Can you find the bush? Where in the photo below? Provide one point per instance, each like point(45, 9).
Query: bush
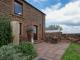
point(5, 31)
point(28, 49)
point(24, 51)
point(51, 39)
point(9, 52)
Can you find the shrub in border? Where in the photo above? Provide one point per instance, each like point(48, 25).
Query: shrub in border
point(28, 49)
point(5, 30)
point(24, 51)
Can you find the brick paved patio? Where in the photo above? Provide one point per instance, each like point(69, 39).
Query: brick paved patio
point(49, 51)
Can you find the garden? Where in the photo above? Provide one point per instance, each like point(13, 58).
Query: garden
point(26, 50)
point(10, 51)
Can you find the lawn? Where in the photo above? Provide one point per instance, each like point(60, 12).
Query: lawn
point(72, 53)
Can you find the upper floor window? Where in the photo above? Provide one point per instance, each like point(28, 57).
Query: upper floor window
point(18, 8)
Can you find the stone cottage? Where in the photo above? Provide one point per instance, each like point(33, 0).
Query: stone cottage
point(28, 18)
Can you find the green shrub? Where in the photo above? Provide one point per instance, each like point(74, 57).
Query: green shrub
point(28, 49)
point(5, 31)
point(9, 52)
point(17, 52)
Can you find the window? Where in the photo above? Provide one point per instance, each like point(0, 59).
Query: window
point(18, 8)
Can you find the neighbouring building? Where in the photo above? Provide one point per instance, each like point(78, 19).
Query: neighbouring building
point(27, 16)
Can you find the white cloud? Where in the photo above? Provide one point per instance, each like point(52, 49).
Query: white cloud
point(68, 15)
point(71, 29)
point(73, 0)
point(39, 1)
point(52, 8)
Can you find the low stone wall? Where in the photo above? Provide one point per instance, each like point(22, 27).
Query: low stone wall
point(55, 36)
point(71, 37)
point(62, 37)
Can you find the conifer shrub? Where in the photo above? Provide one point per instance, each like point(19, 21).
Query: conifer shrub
point(5, 31)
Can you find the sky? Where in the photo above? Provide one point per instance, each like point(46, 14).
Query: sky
point(65, 13)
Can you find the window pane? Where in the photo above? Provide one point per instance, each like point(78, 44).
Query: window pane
point(18, 8)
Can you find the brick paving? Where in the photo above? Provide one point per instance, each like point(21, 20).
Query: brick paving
point(48, 51)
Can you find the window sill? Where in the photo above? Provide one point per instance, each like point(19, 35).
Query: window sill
point(20, 16)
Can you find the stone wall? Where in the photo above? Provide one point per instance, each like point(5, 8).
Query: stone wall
point(53, 35)
point(71, 37)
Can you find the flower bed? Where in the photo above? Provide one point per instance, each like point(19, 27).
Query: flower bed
point(24, 51)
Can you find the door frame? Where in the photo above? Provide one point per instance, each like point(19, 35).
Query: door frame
point(35, 26)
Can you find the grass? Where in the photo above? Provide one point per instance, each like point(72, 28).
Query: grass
point(72, 53)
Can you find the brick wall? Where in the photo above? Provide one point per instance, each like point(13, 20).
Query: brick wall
point(30, 17)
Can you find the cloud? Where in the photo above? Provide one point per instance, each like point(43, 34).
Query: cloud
point(67, 16)
point(70, 13)
point(52, 8)
point(38, 1)
point(73, 0)
point(71, 29)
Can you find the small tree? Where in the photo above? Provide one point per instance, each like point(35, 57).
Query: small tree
point(60, 28)
point(54, 27)
point(5, 31)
